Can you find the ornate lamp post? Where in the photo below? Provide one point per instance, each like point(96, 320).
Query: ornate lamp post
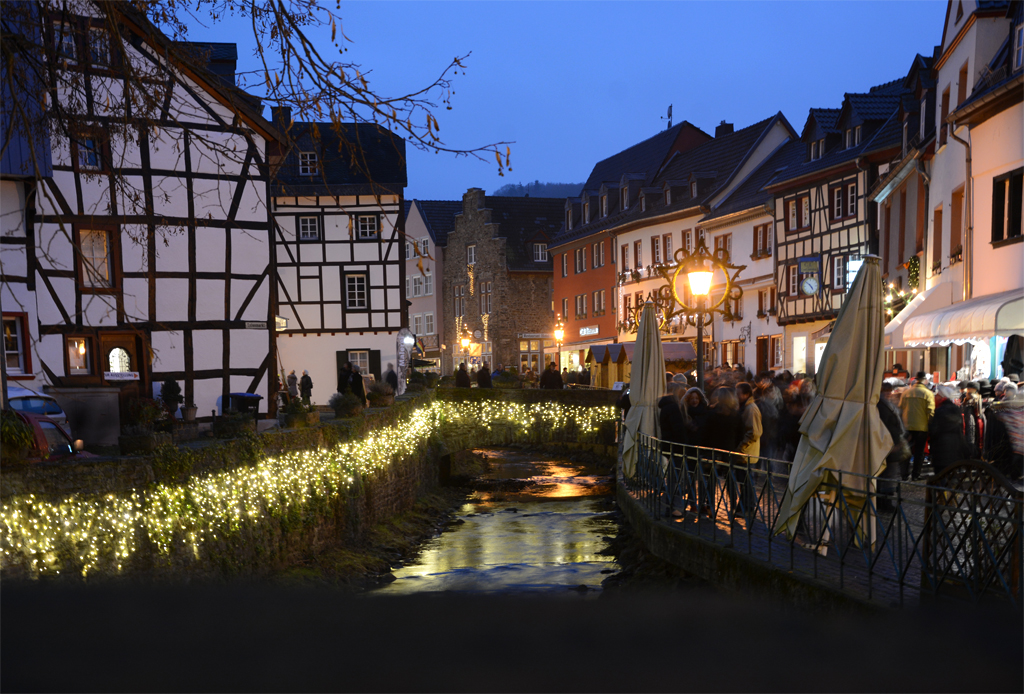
point(465, 342)
point(559, 337)
point(699, 266)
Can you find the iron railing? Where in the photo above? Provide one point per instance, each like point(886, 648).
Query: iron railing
point(878, 538)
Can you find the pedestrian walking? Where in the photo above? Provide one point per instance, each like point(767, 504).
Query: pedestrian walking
point(917, 406)
point(946, 430)
point(355, 383)
point(750, 444)
point(391, 378)
point(551, 379)
point(483, 377)
point(306, 386)
point(676, 431)
point(293, 384)
point(971, 408)
point(462, 377)
point(898, 455)
point(769, 402)
point(725, 433)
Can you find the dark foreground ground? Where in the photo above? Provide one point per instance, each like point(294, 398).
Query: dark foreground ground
point(280, 638)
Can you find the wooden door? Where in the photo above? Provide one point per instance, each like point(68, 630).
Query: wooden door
point(762, 354)
point(120, 352)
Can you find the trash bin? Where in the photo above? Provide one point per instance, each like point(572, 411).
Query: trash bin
point(246, 402)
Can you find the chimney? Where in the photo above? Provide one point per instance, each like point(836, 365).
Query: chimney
point(723, 128)
point(281, 116)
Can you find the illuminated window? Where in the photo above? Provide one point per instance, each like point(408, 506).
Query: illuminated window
point(118, 361)
point(15, 344)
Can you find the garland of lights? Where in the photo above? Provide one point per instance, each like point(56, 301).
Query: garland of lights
point(913, 266)
point(102, 532)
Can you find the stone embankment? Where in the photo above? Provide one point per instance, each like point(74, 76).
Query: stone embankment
point(255, 506)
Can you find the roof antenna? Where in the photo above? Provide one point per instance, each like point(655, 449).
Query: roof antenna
point(668, 117)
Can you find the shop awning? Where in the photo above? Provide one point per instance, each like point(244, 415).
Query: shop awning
point(977, 319)
point(673, 351)
point(933, 299)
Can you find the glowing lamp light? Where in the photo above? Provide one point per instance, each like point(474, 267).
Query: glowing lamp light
point(409, 340)
point(81, 347)
point(559, 334)
point(700, 279)
point(465, 343)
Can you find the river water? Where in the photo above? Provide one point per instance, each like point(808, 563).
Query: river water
point(535, 524)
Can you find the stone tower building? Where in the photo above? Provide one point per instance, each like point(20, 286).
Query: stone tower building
point(497, 281)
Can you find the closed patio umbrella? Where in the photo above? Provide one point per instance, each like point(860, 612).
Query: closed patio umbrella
point(841, 430)
point(646, 386)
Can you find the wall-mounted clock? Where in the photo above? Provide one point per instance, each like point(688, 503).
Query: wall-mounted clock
point(809, 286)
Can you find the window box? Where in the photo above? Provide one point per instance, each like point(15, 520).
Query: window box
point(957, 255)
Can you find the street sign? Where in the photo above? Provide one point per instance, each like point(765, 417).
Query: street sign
point(255, 325)
point(121, 375)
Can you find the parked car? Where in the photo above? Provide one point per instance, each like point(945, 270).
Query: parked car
point(49, 440)
point(25, 400)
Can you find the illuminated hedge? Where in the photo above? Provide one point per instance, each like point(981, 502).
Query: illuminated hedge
point(102, 533)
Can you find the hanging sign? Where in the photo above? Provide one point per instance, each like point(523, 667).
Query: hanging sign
point(120, 375)
point(590, 330)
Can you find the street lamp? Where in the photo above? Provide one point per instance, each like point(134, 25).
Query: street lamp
point(699, 266)
point(559, 337)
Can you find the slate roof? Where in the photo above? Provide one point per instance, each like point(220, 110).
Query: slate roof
point(381, 169)
point(713, 163)
point(524, 221)
point(751, 192)
point(439, 216)
point(644, 157)
point(826, 118)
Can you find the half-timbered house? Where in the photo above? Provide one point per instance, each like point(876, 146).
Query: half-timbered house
point(338, 248)
point(147, 255)
point(824, 221)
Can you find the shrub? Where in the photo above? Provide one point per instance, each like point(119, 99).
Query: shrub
point(417, 377)
point(345, 404)
point(170, 394)
point(295, 406)
point(446, 382)
point(379, 388)
point(14, 433)
point(232, 424)
point(415, 388)
point(143, 414)
point(432, 379)
point(506, 379)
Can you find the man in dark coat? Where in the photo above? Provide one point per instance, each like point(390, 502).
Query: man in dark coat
point(355, 383)
point(462, 377)
point(899, 454)
point(483, 377)
point(391, 378)
point(306, 387)
point(946, 430)
point(551, 378)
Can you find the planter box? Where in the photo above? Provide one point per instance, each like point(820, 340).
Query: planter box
point(135, 444)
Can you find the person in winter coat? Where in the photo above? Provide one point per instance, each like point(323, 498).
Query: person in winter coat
point(769, 402)
point(898, 458)
point(355, 383)
point(483, 377)
point(306, 386)
point(725, 432)
point(551, 379)
point(293, 384)
point(462, 377)
point(918, 406)
point(750, 446)
point(675, 430)
point(697, 412)
point(971, 407)
point(700, 485)
point(391, 378)
point(946, 430)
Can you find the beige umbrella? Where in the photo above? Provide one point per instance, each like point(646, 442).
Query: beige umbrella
point(646, 386)
point(841, 430)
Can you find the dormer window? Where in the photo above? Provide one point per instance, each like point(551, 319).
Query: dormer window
point(906, 130)
point(668, 197)
point(568, 218)
point(625, 197)
point(814, 150)
point(604, 205)
point(307, 164)
point(821, 147)
point(693, 189)
point(924, 109)
point(849, 138)
point(586, 212)
point(540, 252)
point(643, 202)
point(856, 135)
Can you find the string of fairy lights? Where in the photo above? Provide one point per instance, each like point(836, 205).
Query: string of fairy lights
point(897, 299)
point(102, 533)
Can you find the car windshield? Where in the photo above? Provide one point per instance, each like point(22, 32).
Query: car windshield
point(56, 441)
point(36, 405)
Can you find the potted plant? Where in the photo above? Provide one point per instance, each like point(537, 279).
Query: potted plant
point(188, 413)
point(15, 437)
point(380, 395)
point(345, 404)
point(170, 395)
point(139, 434)
point(296, 414)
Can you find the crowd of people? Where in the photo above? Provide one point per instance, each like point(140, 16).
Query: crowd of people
point(934, 425)
point(550, 378)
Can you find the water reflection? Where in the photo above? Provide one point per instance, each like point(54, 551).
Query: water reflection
point(543, 538)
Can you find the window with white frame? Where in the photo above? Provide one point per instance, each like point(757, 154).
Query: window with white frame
point(856, 135)
point(604, 205)
point(64, 40)
point(90, 152)
point(794, 279)
point(408, 285)
point(355, 291)
point(408, 251)
point(723, 242)
point(638, 254)
point(643, 202)
point(838, 272)
point(821, 148)
point(565, 265)
point(79, 351)
point(849, 138)
point(540, 252)
point(791, 220)
point(485, 297)
point(776, 351)
point(598, 302)
point(581, 306)
point(565, 307)
point(805, 212)
point(668, 248)
point(568, 218)
point(309, 228)
point(99, 47)
point(428, 283)
point(15, 344)
point(814, 150)
point(425, 247)
point(586, 212)
point(625, 257)
point(688, 241)
point(668, 197)
point(361, 360)
point(624, 198)
point(96, 271)
point(460, 299)
point(368, 226)
point(307, 164)
point(693, 189)
point(417, 285)
point(417, 324)
point(428, 323)
point(471, 254)
point(851, 199)
point(837, 203)
point(656, 248)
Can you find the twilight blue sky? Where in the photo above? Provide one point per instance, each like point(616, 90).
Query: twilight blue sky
point(574, 82)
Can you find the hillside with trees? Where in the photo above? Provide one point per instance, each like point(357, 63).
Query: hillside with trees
point(539, 190)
